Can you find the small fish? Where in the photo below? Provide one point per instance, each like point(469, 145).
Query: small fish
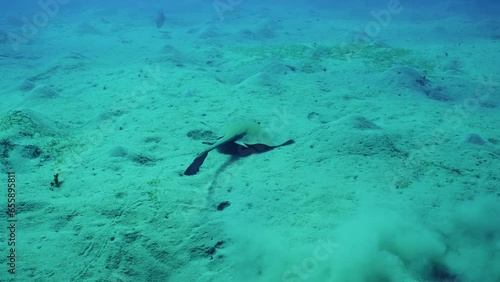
point(160, 19)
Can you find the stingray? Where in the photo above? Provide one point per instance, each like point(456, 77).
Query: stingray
point(245, 134)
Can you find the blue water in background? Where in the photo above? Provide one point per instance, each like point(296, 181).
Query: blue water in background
point(472, 8)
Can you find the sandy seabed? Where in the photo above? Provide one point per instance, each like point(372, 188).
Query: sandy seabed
point(393, 175)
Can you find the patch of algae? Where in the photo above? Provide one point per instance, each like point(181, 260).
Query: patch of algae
point(293, 51)
point(20, 128)
point(373, 57)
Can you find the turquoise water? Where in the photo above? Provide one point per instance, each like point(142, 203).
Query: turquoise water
point(250, 141)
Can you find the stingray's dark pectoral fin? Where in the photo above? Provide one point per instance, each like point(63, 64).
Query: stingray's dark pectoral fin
point(194, 167)
point(289, 142)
